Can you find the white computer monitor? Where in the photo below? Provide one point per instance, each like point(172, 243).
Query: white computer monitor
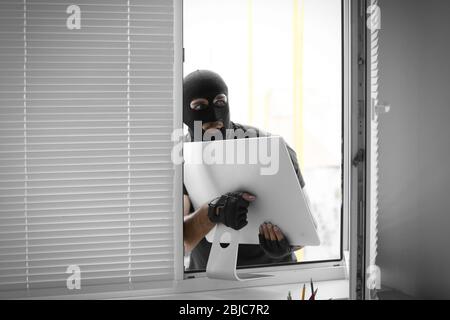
point(209, 172)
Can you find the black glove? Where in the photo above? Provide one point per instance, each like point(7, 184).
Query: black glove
point(275, 249)
point(230, 209)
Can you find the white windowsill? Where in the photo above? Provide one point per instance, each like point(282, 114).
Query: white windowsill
point(330, 279)
point(333, 289)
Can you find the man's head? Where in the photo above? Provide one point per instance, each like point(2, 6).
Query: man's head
point(205, 99)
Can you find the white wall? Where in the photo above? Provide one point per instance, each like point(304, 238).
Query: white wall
point(414, 224)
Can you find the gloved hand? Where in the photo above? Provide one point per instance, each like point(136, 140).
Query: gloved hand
point(273, 241)
point(231, 209)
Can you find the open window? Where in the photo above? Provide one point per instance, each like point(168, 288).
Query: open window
point(90, 96)
point(282, 62)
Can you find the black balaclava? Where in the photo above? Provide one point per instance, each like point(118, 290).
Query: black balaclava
point(204, 84)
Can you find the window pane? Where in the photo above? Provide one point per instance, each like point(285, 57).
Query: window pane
point(282, 61)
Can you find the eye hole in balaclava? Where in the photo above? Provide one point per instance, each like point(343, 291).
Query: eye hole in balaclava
point(199, 104)
point(210, 94)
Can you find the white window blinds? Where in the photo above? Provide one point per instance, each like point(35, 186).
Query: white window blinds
point(86, 177)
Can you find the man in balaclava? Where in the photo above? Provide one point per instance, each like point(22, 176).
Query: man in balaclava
point(207, 115)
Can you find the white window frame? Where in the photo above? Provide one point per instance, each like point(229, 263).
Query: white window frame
point(320, 271)
point(198, 282)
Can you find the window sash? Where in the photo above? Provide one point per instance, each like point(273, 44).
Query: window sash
point(324, 271)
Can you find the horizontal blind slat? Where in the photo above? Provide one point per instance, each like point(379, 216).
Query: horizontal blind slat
point(92, 240)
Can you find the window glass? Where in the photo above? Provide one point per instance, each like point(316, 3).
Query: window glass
point(282, 62)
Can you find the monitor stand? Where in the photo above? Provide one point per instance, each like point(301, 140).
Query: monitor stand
point(222, 261)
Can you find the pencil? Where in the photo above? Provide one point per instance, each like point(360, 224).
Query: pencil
point(289, 297)
point(313, 296)
point(303, 291)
